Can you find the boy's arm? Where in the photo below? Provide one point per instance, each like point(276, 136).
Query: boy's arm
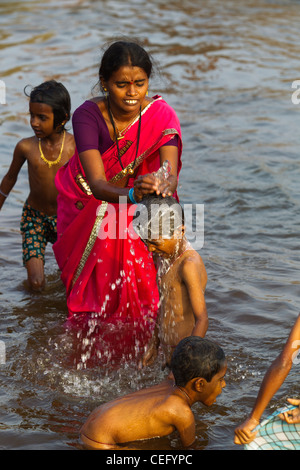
point(272, 381)
point(184, 422)
point(191, 276)
point(9, 180)
point(152, 348)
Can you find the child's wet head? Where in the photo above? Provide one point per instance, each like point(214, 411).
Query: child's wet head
point(158, 219)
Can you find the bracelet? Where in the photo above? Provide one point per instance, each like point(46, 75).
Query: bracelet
point(3, 194)
point(131, 196)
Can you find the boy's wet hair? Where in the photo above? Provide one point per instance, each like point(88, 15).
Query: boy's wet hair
point(158, 217)
point(196, 357)
point(53, 94)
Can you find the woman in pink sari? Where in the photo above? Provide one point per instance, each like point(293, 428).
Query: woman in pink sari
point(121, 139)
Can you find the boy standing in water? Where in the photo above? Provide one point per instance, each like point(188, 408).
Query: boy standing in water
point(198, 367)
point(181, 277)
point(45, 152)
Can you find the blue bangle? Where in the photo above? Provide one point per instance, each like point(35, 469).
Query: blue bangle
point(131, 196)
point(3, 194)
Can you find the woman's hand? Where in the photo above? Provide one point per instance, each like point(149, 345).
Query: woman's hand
point(164, 187)
point(143, 185)
point(292, 416)
point(149, 184)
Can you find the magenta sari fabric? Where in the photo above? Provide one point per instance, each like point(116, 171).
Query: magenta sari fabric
point(108, 273)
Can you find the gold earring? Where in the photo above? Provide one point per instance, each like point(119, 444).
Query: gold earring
point(104, 89)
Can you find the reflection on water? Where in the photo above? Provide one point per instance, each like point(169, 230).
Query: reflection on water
point(227, 68)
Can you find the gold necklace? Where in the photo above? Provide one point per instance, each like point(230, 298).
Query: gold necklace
point(120, 136)
point(50, 162)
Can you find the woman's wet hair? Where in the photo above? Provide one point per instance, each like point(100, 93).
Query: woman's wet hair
point(158, 217)
point(123, 53)
point(196, 357)
point(56, 95)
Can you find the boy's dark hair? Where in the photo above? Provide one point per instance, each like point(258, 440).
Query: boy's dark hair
point(157, 217)
point(196, 357)
point(122, 53)
point(53, 94)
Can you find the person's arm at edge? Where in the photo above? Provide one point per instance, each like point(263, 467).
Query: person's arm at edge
point(273, 379)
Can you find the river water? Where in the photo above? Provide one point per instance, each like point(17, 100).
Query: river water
point(227, 67)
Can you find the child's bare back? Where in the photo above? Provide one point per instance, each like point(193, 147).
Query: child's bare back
point(198, 368)
point(145, 414)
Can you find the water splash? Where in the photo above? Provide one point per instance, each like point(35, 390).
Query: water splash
point(163, 172)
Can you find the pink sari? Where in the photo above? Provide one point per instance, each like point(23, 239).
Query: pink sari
point(108, 273)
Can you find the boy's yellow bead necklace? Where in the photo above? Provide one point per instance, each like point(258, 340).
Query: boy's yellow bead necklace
point(50, 162)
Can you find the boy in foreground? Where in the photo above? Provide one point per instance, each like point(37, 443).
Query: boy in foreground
point(198, 366)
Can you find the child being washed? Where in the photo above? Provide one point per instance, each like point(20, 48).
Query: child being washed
point(181, 278)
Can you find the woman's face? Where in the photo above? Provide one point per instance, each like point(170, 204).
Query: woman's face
point(127, 89)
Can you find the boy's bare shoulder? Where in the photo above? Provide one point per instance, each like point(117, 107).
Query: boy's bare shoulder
point(70, 138)
point(70, 145)
point(192, 265)
point(178, 413)
point(178, 408)
point(26, 145)
point(192, 259)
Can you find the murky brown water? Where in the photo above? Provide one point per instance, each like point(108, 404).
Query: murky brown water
point(227, 68)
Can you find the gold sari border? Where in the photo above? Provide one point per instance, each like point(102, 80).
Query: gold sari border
point(91, 241)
